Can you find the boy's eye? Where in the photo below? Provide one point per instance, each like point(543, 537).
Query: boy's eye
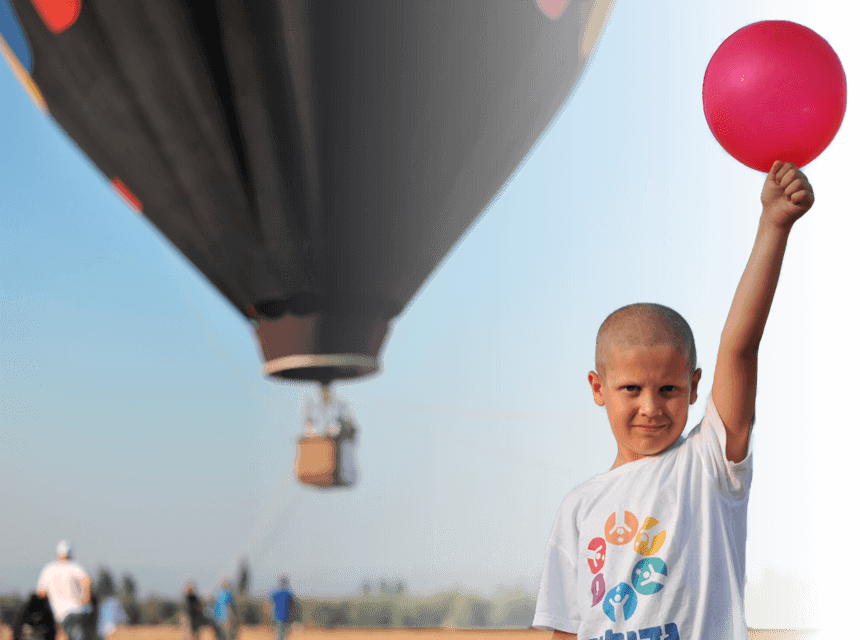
point(633, 388)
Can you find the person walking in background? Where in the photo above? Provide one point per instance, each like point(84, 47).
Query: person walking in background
point(196, 618)
point(194, 613)
point(66, 585)
point(34, 620)
point(282, 600)
point(111, 615)
point(225, 611)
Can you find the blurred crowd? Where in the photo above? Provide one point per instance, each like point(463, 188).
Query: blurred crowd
point(64, 602)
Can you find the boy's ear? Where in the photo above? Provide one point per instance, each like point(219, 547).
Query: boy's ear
point(694, 385)
point(596, 388)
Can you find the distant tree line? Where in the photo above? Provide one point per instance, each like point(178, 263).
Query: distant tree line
point(392, 606)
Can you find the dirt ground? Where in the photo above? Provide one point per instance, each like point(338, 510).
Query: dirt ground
point(263, 632)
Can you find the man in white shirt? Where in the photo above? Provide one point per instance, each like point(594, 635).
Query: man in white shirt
point(67, 586)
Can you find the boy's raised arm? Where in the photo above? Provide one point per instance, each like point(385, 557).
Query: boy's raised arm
point(786, 196)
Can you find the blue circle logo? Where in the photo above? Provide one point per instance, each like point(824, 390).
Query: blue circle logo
point(620, 602)
point(649, 575)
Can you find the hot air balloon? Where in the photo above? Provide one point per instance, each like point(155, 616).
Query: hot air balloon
point(316, 161)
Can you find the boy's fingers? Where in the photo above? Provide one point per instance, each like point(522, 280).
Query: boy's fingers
point(798, 184)
point(788, 170)
point(802, 196)
point(776, 166)
point(785, 168)
point(794, 182)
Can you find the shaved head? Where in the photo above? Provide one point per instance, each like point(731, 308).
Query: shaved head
point(643, 324)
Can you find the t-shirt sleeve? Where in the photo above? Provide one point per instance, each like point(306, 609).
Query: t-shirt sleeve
point(556, 602)
point(557, 606)
point(733, 477)
point(81, 575)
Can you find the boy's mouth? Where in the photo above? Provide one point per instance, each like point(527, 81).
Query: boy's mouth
point(649, 427)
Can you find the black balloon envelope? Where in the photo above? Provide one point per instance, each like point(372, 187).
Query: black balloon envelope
point(315, 160)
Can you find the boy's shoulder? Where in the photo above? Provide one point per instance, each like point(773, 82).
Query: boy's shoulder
point(589, 491)
point(587, 488)
point(697, 457)
point(624, 474)
point(629, 480)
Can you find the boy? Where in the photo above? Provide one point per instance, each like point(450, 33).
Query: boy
point(655, 547)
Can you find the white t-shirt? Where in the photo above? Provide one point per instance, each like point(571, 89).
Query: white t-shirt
point(655, 548)
point(63, 581)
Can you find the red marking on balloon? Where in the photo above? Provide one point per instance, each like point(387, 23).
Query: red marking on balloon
point(58, 15)
point(553, 8)
point(774, 90)
point(127, 195)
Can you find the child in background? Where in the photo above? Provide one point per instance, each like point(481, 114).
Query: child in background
point(282, 600)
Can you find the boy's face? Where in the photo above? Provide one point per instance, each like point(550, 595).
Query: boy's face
point(647, 392)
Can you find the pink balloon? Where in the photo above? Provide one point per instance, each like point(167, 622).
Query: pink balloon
point(774, 90)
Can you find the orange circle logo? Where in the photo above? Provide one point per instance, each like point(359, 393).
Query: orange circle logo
point(620, 529)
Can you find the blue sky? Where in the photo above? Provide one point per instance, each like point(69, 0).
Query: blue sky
point(135, 421)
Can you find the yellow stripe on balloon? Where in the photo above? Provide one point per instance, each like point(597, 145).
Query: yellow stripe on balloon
point(598, 18)
point(23, 77)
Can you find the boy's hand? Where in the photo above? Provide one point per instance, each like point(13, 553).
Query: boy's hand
point(786, 195)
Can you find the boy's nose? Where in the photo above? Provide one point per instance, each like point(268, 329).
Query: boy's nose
point(649, 405)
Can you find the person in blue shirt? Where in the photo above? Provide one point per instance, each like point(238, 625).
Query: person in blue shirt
point(225, 611)
point(282, 600)
point(111, 615)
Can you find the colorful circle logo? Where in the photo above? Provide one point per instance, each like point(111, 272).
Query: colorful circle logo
point(621, 526)
point(598, 554)
point(649, 575)
point(650, 537)
point(620, 602)
point(598, 589)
